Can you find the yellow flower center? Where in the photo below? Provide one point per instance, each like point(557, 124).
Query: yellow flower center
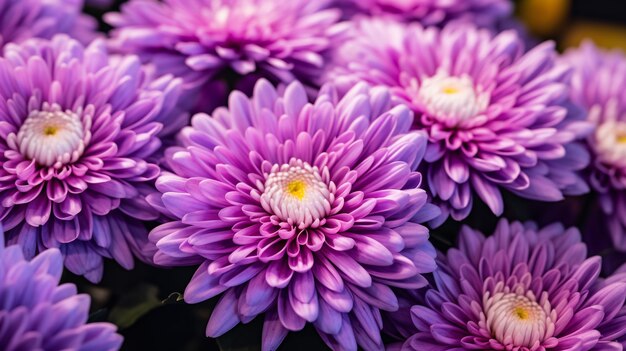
point(52, 137)
point(518, 318)
point(50, 130)
point(521, 313)
point(451, 98)
point(296, 188)
point(296, 193)
point(609, 140)
point(450, 90)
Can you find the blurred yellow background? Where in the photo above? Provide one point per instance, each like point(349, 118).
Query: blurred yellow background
point(568, 21)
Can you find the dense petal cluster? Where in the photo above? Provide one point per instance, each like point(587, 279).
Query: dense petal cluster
point(599, 85)
point(497, 117)
point(25, 19)
point(78, 130)
point(308, 212)
point(483, 13)
point(302, 205)
point(205, 41)
point(520, 289)
point(36, 313)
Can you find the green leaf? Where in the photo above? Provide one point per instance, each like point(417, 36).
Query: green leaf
point(132, 306)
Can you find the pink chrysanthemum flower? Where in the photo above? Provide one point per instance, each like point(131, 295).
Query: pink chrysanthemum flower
point(79, 131)
point(497, 117)
point(209, 42)
point(599, 85)
point(307, 212)
point(483, 13)
point(520, 289)
point(24, 19)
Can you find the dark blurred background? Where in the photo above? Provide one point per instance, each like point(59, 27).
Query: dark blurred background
point(146, 303)
point(571, 21)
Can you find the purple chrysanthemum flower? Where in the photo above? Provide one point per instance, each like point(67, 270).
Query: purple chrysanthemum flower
point(78, 128)
point(497, 118)
point(36, 313)
point(24, 19)
point(206, 41)
point(307, 212)
point(521, 289)
point(483, 13)
point(599, 85)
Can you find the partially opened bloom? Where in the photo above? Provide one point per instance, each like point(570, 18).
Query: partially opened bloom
point(520, 289)
point(307, 212)
point(208, 42)
point(24, 19)
point(36, 313)
point(484, 13)
point(78, 129)
point(599, 85)
point(497, 118)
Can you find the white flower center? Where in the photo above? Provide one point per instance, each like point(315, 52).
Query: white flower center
point(518, 320)
point(296, 193)
point(609, 143)
point(52, 137)
point(452, 99)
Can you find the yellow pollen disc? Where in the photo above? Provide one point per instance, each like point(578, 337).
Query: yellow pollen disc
point(50, 130)
point(621, 139)
point(296, 189)
point(521, 313)
point(450, 90)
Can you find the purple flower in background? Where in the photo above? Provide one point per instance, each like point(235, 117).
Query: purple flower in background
point(24, 19)
point(305, 212)
point(483, 13)
point(599, 85)
point(78, 129)
point(208, 42)
point(520, 289)
point(36, 313)
point(497, 118)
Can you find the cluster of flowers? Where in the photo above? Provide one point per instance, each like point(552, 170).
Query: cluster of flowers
point(297, 152)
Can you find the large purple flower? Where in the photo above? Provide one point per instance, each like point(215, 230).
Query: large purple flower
point(307, 212)
point(78, 129)
point(24, 19)
point(521, 289)
point(599, 85)
point(36, 313)
point(484, 13)
point(206, 41)
point(497, 118)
